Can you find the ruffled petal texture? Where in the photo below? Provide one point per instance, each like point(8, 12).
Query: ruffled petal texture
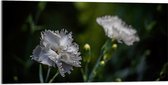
point(115, 28)
point(41, 54)
point(57, 49)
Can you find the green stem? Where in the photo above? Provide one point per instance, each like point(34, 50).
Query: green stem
point(41, 74)
point(86, 71)
point(52, 79)
point(83, 74)
point(86, 66)
point(93, 73)
point(48, 72)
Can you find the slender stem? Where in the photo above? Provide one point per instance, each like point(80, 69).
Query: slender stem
point(93, 73)
point(52, 79)
point(48, 72)
point(41, 74)
point(83, 74)
point(86, 66)
point(86, 72)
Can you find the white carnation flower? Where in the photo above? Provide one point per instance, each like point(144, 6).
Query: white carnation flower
point(115, 28)
point(57, 49)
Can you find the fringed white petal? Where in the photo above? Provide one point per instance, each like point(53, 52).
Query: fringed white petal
point(66, 39)
point(115, 28)
point(70, 59)
point(51, 38)
point(57, 48)
point(39, 54)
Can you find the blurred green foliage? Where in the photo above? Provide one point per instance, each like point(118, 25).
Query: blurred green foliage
point(144, 61)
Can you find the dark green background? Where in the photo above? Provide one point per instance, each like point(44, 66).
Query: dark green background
point(22, 23)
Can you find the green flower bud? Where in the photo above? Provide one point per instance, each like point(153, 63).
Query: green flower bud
point(87, 46)
point(102, 63)
point(114, 46)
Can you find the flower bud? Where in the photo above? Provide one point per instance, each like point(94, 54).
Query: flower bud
point(87, 46)
point(114, 46)
point(102, 62)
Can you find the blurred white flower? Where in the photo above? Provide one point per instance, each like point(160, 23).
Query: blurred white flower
point(57, 49)
point(115, 28)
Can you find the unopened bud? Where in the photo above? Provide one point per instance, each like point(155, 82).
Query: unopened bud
point(114, 46)
point(102, 62)
point(87, 46)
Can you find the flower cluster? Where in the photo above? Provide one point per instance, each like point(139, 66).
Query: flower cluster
point(115, 28)
point(57, 48)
